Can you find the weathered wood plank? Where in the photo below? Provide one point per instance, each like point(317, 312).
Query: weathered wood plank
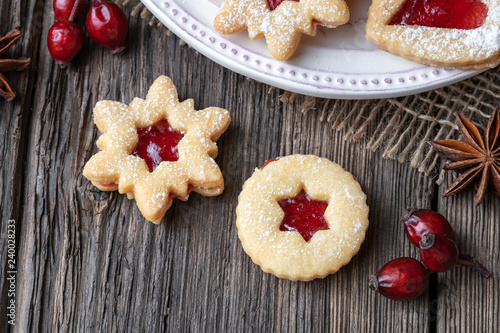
point(14, 130)
point(10, 193)
point(92, 263)
point(467, 301)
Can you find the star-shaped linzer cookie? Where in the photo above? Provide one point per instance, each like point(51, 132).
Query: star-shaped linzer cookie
point(157, 149)
point(281, 22)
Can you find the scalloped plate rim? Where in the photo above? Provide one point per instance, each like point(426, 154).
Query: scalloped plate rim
point(311, 81)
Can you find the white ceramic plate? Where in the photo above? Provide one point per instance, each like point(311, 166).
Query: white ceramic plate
point(337, 63)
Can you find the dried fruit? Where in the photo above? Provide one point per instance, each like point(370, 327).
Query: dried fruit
point(438, 252)
point(473, 156)
point(401, 279)
point(107, 25)
point(65, 39)
point(419, 222)
point(64, 8)
point(7, 65)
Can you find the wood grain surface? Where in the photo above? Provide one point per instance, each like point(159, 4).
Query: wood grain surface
point(87, 260)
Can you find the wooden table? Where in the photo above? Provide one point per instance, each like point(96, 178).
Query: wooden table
point(88, 261)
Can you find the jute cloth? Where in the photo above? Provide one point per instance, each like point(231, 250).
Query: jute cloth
point(398, 128)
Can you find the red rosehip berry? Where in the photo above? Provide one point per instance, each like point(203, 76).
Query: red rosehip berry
point(107, 25)
point(64, 8)
point(401, 279)
point(438, 252)
point(419, 222)
point(65, 39)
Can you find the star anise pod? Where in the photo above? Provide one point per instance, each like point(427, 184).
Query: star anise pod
point(473, 156)
point(7, 65)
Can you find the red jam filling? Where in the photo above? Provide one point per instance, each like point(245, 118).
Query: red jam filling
point(304, 215)
point(451, 14)
point(108, 185)
point(157, 143)
point(273, 4)
point(173, 196)
point(269, 161)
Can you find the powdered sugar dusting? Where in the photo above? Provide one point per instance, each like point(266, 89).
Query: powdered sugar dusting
point(439, 46)
point(281, 25)
point(478, 43)
point(115, 164)
point(286, 254)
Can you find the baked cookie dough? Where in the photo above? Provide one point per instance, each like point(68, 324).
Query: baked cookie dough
point(281, 22)
point(467, 49)
point(287, 254)
point(158, 149)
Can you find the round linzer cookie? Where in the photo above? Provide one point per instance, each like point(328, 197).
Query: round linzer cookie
point(301, 217)
point(462, 34)
point(281, 22)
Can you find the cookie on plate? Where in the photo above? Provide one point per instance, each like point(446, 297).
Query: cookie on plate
point(281, 22)
point(460, 34)
point(157, 149)
point(301, 217)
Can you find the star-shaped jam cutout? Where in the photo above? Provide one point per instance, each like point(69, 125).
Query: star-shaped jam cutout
point(304, 215)
point(157, 143)
point(281, 22)
point(157, 149)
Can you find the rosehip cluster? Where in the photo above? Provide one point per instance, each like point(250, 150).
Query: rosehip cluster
point(406, 278)
point(65, 38)
point(106, 24)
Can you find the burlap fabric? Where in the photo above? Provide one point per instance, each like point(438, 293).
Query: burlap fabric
point(398, 128)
